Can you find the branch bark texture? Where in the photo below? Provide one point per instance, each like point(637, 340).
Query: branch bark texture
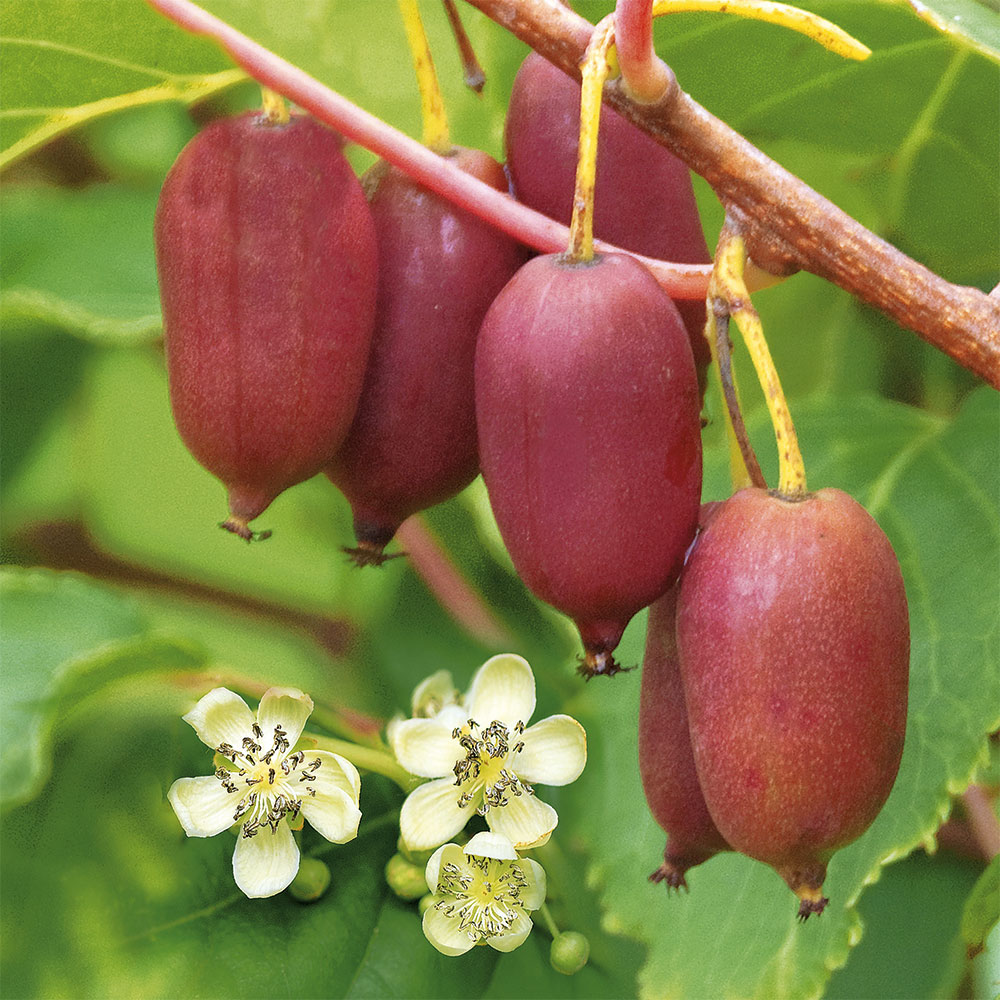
point(787, 225)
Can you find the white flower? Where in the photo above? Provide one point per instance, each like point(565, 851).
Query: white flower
point(482, 894)
point(491, 759)
point(429, 697)
point(265, 785)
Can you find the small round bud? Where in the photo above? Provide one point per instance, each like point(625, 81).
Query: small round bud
point(405, 878)
point(426, 902)
point(312, 880)
point(569, 953)
point(419, 858)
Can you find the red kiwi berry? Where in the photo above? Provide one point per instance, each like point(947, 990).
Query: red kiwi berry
point(643, 201)
point(267, 265)
point(413, 440)
point(794, 645)
point(587, 407)
point(666, 760)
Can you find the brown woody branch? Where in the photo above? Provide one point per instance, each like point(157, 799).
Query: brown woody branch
point(789, 226)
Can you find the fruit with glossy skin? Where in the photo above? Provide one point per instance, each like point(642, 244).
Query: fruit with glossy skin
point(666, 760)
point(589, 439)
point(793, 637)
point(413, 440)
point(643, 198)
point(267, 265)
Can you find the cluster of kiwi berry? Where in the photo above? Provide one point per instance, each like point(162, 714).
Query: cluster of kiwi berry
point(374, 332)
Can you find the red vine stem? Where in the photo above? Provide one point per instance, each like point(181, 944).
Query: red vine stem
point(645, 75)
point(681, 281)
point(788, 225)
point(446, 582)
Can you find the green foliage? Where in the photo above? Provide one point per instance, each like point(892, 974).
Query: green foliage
point(102, 284)
point(65, 65)
point(96, 675)
point(982, 911)
point(970, 22)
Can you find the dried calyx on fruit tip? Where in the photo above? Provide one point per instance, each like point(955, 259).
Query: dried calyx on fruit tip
point(793, 637)
point(587, 408)
point(412, 443)
point(267, 266)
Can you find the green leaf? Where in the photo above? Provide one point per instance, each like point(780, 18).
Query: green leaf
point(933, 486)
point(67, 63)
point(98, 284)
point(982, 910)
point(63, 638)
point(42, 370)
point(920, 898)
point(975, 23)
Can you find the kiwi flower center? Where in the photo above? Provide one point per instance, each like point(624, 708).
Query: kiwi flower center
point(268, 786)
point(484, 895)
point(486, 768)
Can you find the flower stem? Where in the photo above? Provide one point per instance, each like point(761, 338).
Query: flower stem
point(730, 260)
point(368, 759)
point(595, 71)
point(547, 921)
point(275, 107)
point(817, 28)
point(472, 71)
point(744, 469)
point(433, 115)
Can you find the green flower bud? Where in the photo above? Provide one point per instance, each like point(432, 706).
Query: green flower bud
point(312, 880)
point(405, 878)
point(419, 858)
point(426, 902)
point(569, 953)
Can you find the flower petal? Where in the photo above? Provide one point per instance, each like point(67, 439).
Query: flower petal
point(202, 805)
point(284, 708)
point(432, 694)
point(533, 894)
point(514, 936)
point(221, 717)
point(445, 932)
point(390, 726)
point(431, 814)
point(335, 770)
point(555, 751)
point(265, 863)
point(503, 688)
point(525, 821)
point(443, 855)
point(333, 813)
point(425, 747)
point(491, 845)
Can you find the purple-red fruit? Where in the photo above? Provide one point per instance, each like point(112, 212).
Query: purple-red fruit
point(643, 200)
point(666, 760)
point(413, 440)
point(794, 647)
point(267, 265)
point(587, 405)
